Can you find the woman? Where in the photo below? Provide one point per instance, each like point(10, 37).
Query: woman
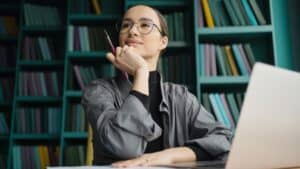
point(141, 120)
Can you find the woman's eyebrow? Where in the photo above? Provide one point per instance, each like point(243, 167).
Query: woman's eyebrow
point(141, 19)
point(145, 19)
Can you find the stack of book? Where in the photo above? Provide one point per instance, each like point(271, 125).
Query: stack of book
point(35, 157)
point(216, 13)
point(41, 15)
point(226, 60)
point(224, 106)
point(40, 84)
point(39, 120)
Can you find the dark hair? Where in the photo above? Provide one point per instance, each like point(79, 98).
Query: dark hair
point(162, 22)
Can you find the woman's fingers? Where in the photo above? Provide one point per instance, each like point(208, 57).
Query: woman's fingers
point(110, 57)
point(118, 50)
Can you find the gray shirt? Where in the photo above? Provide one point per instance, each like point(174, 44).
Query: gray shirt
point(122, 126)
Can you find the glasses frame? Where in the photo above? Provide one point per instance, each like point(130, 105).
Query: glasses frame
point(118, 28)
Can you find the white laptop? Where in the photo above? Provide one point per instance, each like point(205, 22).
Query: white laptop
point(268, 131)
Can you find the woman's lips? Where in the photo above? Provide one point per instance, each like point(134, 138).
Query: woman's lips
point(133, 42)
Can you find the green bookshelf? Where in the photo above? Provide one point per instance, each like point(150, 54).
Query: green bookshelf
point(267, 43)
point(37, 60)
point(183, 62)
point(8, 44)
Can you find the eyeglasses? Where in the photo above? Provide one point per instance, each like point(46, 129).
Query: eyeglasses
point(143, 26)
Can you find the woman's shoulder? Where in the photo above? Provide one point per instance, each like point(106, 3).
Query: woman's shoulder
point(101, 84)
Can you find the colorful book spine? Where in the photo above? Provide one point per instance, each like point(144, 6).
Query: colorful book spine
point(207, 14)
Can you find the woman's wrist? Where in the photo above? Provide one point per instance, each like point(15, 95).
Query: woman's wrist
point(180, 154)
point(140, 82)
point(142, 71)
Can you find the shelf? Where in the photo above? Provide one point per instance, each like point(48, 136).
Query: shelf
point(7, 70)
point(4, 137)
point(73, 93)
point(75, 135)
point(93, 19)
point(5, 104)
point(43, 29)
point(8, 38)
point(36, 136)
point(177, 44)
point(30, 63)
point(88, 56)
point(224, 80)
point(92, 54)
point(9, 9)
point(245, 32)
point(39, 99)
point(224, 83)
point(158, 3)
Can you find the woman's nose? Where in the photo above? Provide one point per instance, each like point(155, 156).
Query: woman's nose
point(134, 29)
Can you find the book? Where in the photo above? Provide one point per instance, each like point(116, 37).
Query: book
point(235, 21)
point(231, 61)
point(207, 14)
point(257, 11)
point(249, 12)
point(96, 6)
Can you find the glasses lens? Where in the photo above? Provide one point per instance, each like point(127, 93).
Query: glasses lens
point(125, 26)
point(145, 27)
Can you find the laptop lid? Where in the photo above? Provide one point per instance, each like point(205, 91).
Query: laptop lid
point(268, 131)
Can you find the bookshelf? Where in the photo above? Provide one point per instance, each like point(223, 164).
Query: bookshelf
point(294, 26)
point(266, 41)
point(9, 26)
point(38, 91)
point(76, 63)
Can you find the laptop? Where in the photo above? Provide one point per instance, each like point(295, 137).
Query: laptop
point(268, 132)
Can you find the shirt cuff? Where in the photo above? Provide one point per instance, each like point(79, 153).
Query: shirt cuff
point(201, 154)
point(143, 98)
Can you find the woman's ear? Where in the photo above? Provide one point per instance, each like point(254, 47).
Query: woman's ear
point(164, 42)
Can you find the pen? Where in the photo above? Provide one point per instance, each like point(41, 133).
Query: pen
point(113, 49)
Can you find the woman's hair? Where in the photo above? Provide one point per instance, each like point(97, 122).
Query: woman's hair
point(162, 22)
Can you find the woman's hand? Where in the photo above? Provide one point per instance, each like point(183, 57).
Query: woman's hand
point(152, 159)
point(165, 157)
point(127, 60)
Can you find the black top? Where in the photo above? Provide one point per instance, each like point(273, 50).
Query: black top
point(151, 103)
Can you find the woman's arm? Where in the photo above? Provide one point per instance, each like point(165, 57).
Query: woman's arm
point(122, 131)
point(209, 139)
point(165, 157)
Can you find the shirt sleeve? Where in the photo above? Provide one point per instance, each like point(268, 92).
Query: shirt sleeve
point(122, 131)
point(142, 97)
point(209, 139)
point(201, 154)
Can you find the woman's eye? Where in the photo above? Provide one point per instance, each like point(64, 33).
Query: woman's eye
point(144, 25)
point(125, 25)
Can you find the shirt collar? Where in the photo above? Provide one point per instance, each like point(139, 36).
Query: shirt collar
point(125, 86)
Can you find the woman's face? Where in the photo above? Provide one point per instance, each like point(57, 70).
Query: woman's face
point(147, 45)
